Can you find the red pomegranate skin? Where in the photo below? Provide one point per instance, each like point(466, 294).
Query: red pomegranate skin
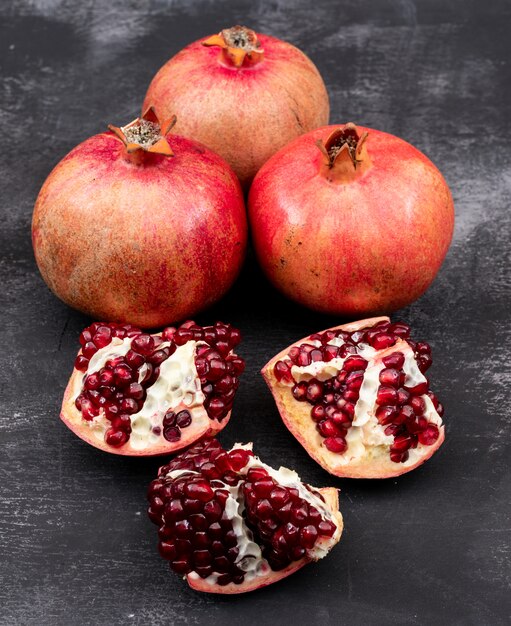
point(244, 114)
point(147, 243)
point(372, 244)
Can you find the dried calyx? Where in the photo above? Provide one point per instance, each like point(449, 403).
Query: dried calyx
point(146, 134)
point(344, 152)
point(239, 45)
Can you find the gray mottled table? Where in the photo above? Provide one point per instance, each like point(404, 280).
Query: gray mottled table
point(431, 547)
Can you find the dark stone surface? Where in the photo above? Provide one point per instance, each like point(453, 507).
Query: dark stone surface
point(431, 547)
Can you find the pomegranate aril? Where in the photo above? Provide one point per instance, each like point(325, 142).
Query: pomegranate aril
point(300, 391)
point(89, 349)
point(336, 444)
point(399, 457)
point(143, 344)
point(92, 381)
point(382, 341)
point(172, 434)
point(282, 372)
point(102, 337)
point(128, 405)
point(199, 490)
point(183, 419)
point(401, 443)
point(418, 405)
point(314, 391)
point(354, 363)
point(116, 438)
point(326, 528)
point(135, 391)
point(390, 376)
point(419, 389)
point(318, 412)
point(429, 435)
point(386, 395)
point(395, 360)
point(385, 414)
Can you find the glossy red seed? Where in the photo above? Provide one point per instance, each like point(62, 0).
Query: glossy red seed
point(199, 490)
point(386, 395)
point(429, 435)
point(172, 434)
point(308, 536)
point(395, 360)
point(116, 438)
point(336, 444)
point(390, 376)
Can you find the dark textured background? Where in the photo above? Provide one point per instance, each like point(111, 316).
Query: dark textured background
point(430, 547)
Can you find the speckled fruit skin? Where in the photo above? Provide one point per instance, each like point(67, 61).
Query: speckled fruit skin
point(370, 245)
point(147, 244)
point(244, 114)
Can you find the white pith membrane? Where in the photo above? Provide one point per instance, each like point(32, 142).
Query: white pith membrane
point(250, 559)
point(178, 385)
point(366, 437)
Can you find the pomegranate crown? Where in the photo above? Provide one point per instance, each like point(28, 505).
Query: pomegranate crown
point(344, 146)
point(239, 45)
point(146, 133)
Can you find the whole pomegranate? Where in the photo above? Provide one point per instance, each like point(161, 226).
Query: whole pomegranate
point(231, 524)
point(139, 226)
point(350, 221)
point(137, 394)
point(357, 399)
point(242, 94)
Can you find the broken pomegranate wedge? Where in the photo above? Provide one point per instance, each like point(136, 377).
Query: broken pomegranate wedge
point(231, 524)
point(133, 393)
point(356, 397)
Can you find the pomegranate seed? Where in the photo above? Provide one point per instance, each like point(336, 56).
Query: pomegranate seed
point(308, 536)
point(143, 344)
point(216, 408)
point(401, 443)
point(183, 419)
point(390, 376)
point(382, 341)
point(329, 353)
point(419, 389)
point(128, 405)
point(429, 435)
point(172, 434)
point(318, 412)
point(418, 405)
point(300, 391)
point(314, 391)
point(386, 395)
point(122, 375)
point(238, 459)
point(116, 438)
point(106, 377)
point(89, 349)
point(336, 444)
point(81, 363)
point(326, 528)
point(102, 336)
point(199, 490)
point(385, 414)
point(354, 363)
point(85, 337)
point(282, 372)
point(135, 391)
point(92, 381)
point(395, 360)
point(399, 457)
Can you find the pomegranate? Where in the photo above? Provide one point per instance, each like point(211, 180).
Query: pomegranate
point(356, 397)
point(128, 229)
point(242, 94)
point(133, 393)
point(350, 221)
point(231, 524)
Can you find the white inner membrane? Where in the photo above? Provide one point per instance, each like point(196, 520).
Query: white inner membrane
point(177, 387)
point(250, 558)
point(366, 434)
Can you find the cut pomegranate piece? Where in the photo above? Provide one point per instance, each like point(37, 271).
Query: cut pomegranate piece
point(365, 409)
point(134, 393)
point(232, 524)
